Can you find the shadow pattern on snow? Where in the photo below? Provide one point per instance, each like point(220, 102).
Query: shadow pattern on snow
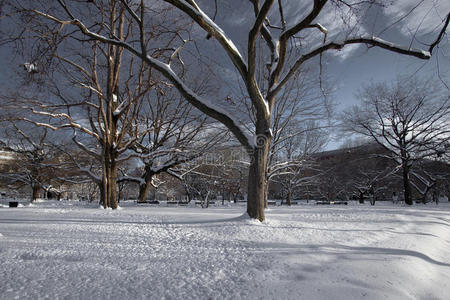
point(287, 249)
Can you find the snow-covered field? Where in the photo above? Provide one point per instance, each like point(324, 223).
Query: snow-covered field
point(54, 250)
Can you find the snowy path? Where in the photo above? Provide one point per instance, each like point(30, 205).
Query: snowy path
point(58, 250)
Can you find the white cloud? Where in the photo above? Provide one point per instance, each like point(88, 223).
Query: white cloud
point(340, 23)
point(346, 52)
point(424, 18)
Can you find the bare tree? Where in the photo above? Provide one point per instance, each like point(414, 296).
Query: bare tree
point(430, 176)
point(292, 167)
point(173, 134)
point(232, 174)
point(113, 89)
point(407, 118)
point(423, 184)
point(369, 181)
point(282, 38)
point(300, 118)
point(218, 172)
point(199, 181)
point(35, 160)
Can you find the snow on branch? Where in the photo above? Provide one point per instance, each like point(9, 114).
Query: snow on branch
point(305, 22)
point(193, 10)
point(254, 32)
point(255, 93)
point(150, 155)
point(287, 34)
point(85, 148)
point(320, 27)
point(441, 34)
point(71, 123)
point(200, 103)
point(129, 178)
point(371, 41)
point(89, 87)
point(272, 42)
point(177, 51)
point(91, 174)
point(30, 67)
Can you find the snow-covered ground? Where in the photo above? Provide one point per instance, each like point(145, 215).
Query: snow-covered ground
point(70, 250)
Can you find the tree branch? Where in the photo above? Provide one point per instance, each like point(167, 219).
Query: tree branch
point(372, 41)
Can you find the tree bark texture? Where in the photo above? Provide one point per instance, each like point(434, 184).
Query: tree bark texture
point(289, 198)
point(266, 194)
point(109, 180)
point(145, 186)
point(257, 175)
point(35, 194)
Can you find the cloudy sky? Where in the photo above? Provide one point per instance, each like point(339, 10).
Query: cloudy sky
point(408, 22)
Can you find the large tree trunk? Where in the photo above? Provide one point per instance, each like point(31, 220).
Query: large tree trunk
point(145, 187)
point(266, 194)
point(361, 198)
point(111, 122)
point(289, 198)
point(406, 184)
point(143, 190)
point(109, 197)
point(257, 176)
point(101, 187)
point(35, 193)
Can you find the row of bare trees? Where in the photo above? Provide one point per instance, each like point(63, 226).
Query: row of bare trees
point(113, 105)
point(121, 44)
point(298, 171)
point(410, 120)
point(31, 162)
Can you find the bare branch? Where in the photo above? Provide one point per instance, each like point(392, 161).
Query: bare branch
point(441, 34)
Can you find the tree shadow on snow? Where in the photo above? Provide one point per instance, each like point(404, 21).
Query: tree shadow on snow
point(343, 251)
point(241, 218)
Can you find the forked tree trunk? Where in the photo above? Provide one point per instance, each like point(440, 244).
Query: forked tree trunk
point(257, 177)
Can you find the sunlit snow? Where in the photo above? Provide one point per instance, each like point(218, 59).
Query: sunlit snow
point(74, 250)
